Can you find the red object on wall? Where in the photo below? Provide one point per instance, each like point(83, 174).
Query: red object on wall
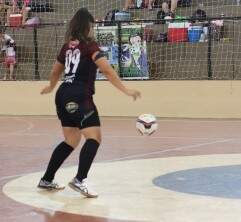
point(15, 20)
point(178, 32)
point(177, 35)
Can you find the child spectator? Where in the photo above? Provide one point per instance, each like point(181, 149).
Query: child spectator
point(9, 49)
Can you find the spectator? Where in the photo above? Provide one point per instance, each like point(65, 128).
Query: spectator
point(4, 10)
point(149, 4)
point(169, 7)
point(9, 49)
point(21, 7)
point(129, 4)
point(139, 4)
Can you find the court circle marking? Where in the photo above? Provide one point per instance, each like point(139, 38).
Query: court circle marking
point(127, 191)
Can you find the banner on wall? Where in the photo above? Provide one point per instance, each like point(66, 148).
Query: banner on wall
point(133, 62)
point(107, 40)
point(134, 54)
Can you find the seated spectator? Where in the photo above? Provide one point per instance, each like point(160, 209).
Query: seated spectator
point(169, 7)
point(4, 10)
point(9, 51)
point(149, 4)
point(129, 4)
point(19, 7)
point(143, 4)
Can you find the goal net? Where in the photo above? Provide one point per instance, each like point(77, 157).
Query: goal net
point(186, 47)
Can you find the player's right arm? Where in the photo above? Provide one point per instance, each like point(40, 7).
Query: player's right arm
point(56, 71)
point(55, 75)
point(112, 76)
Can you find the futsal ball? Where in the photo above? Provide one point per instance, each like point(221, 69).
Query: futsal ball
point(146, 124)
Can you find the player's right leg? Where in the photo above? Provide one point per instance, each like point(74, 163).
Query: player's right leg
point(72, 137)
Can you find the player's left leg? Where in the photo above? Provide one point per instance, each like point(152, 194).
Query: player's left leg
point(90, 129)
point(86, 157)
point(88, 151)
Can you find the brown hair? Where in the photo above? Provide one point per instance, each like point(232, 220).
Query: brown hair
point(79, 26)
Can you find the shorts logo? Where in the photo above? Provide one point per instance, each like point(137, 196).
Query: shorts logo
point(71, 107)
point(86, 116)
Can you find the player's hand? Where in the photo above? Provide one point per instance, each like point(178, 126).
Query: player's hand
point(46, 90)
point(134, 93)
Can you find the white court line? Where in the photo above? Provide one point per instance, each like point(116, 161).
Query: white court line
point(140, 155)
point(112, 136)
point(169, 150)
point(167, 137)
point(29, 126)
point(13, 176)
point(146, 154)
point(136, 137)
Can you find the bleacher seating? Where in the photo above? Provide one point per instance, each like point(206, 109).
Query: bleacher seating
point(168, 60)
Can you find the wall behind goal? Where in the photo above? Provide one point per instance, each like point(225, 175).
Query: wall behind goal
point(181, 99)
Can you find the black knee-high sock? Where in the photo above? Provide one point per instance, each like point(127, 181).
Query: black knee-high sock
point(61, 152)
point(86, 157)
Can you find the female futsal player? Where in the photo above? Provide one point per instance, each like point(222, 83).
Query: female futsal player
point(79, 58)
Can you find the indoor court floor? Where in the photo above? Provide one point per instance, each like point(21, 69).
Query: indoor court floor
point(187, 171)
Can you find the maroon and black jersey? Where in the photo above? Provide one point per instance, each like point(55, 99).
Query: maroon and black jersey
point(79, 66)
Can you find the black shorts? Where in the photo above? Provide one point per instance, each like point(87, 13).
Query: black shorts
point(75, 111)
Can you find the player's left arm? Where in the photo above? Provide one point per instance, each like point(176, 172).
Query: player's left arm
point(55, 75)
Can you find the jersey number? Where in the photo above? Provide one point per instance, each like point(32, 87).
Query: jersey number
point(72, 57)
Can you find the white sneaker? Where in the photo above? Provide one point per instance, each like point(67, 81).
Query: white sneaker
point(83, 188)
point(43, 184)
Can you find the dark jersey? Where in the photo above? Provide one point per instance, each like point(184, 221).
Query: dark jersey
point(79, 66)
